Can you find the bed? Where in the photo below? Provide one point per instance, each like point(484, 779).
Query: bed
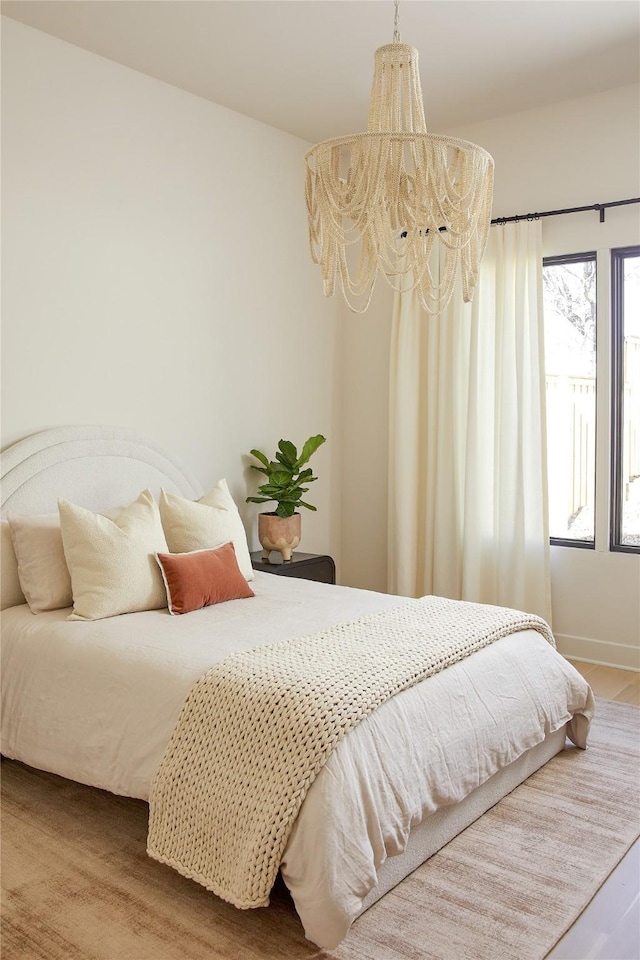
point(97, 701)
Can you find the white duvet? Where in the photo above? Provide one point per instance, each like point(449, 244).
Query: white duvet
point(96, 702)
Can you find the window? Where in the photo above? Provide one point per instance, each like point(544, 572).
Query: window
point(570, 361)
point(625, 401)
point(570, 365)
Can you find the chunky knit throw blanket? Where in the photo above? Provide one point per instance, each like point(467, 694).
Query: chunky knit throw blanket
point(256, 729)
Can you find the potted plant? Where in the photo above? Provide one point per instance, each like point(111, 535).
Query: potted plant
point(286, 484)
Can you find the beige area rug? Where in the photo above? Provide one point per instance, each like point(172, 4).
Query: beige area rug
point(77, 884)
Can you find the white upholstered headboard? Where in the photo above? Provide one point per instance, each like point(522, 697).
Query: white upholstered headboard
point(96, 467)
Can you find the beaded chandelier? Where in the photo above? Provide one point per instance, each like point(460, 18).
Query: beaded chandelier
point(396, 192)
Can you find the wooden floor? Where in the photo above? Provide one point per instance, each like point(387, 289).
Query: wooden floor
point(609, 929)
point(610, 683)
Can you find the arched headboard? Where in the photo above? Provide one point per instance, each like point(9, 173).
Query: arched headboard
point(93, 466)
point(96, 467)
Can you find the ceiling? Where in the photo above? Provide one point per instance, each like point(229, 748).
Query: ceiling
point(305, 66)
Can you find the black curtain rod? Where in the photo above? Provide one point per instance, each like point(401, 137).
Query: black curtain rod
point(601, 207)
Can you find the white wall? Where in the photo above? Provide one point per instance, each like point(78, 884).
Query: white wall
point(156, 272)
point(156, 276)
point(573, 153)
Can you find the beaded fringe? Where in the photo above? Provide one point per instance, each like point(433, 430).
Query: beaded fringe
point(397, 194)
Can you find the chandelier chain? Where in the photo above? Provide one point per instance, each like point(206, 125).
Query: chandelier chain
point(396, 22)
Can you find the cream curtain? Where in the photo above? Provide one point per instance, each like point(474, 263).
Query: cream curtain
point(467, 477)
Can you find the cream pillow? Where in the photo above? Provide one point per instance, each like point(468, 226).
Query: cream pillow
point(11, 592)
point(112, 562)
point(204, 524)
point(42, 568)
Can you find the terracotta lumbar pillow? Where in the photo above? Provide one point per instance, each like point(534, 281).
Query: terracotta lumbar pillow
point(202, 578)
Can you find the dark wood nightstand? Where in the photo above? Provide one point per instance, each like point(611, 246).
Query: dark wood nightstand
point(305, 566)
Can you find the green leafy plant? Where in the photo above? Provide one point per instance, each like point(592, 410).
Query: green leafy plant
point(286, 480)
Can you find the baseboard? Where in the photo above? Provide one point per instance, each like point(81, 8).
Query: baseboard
point(602, 652)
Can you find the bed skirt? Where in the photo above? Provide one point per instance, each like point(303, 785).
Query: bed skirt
point(437, 830)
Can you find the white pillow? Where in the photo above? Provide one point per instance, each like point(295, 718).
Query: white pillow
point(112, 562)
point(42, 568)
point(11, 593)
point(204, 524)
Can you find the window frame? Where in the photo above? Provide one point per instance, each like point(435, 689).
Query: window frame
point(554, 261)
point(618, 257)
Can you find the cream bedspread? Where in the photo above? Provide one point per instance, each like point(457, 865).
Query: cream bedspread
point(257, 728)
point(96, 702)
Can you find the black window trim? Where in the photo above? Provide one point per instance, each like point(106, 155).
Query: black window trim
point(618, 257)
point(587, 256)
